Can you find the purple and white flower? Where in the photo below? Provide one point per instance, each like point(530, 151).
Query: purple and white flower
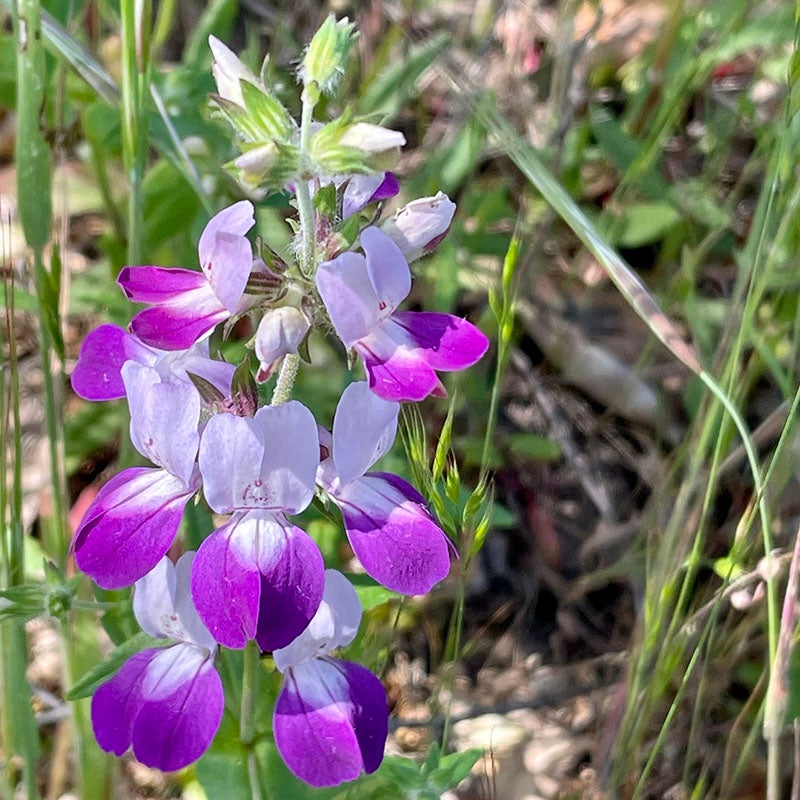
point(98, 373)
point(386, 520)
point(133, 520)
point(258, 576)
point(164, 703)
point(401, 350)
point(186, 305)
point(331, 717)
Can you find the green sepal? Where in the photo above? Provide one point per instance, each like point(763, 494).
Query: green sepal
point(244, 391)
point(22, 602)
point(99, 674)
point(267, 113)
point(208, 392)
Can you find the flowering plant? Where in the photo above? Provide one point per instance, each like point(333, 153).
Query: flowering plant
point(258, 581)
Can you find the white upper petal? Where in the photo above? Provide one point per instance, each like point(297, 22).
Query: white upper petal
point(154, 601)
point(388, 270)
point(345, 288)
point(291, 455)
point(164, 417)
point(364, 429)
point(334, 625)
point(231, 455)
point(228, 70)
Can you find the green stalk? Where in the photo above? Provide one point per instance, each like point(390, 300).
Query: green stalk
point(247, 728)
point(19, 727)
point(135, 66)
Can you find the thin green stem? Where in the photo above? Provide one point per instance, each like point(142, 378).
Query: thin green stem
point(135, 39)
point(247, 724)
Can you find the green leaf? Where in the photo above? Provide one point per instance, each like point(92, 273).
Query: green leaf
point(99, 674)
point(370, 592)
point(533, 447)
point(646, 223)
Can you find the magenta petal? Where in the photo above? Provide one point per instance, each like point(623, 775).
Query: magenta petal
point(165, 703)
point(393, 534)
point(116, 703)
point(173, 327)
point(104, 350)
point(257, 577)
point(159, 285)
point(226, 588)
point(182, 704)
point(446, 342)
point(394, 371)
point(130, 525)
point(330, 721)
point(291, 589)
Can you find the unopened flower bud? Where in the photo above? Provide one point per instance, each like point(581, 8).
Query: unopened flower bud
point(279, 333)
point(418, 227)
point(324, 61)
point(228, 71)
point(371, 138)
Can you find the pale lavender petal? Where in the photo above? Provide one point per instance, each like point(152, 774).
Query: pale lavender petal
point(231, 454)
point(334, 625)
point(364, 429)
point(104, 350)
point(228, 71)
point(257, 577)
point(395, 370)
point(154, 601)
point(446, 342)
point(387, 268)
point(194, 629)
point(218, 373)
point(393, 534)
point(162, 603)
point(226, 255)
point(280, 332)
point(116, 703)
point(164, 418)
point(290, 457)
point(130, 525)
point(330, 722)
point(341, 596)
point(419, 226)
point(182, 700)
point(349, 298)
